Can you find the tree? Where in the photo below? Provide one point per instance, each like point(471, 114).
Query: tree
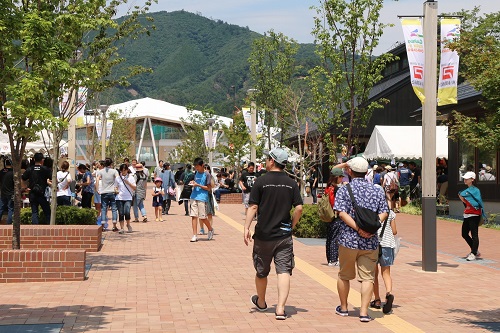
point(49, 48)
point(120, 142)
point(193, 143)
point(271, 66)
point(479, 51)
point(237, 141)
point(347, 33)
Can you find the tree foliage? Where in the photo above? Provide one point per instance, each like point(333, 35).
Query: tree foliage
point(237, 138)
point(479, 51)
point(347, 33)
point(271, 67)
point(48, 48)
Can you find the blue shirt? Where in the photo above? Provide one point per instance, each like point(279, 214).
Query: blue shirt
point(404, 176)
point(367, 196)
point(199, 193)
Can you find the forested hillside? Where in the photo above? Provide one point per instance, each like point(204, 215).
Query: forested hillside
point(195, 60)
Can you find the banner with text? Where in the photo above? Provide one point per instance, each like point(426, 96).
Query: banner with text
point(448, 70)
point(414, 40)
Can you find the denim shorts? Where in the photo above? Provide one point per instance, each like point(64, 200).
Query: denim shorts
point(387, 257)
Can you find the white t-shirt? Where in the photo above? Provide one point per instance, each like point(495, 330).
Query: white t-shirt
point(63, 180)
point(108, 176)
point(387, 239)
point(125, 191)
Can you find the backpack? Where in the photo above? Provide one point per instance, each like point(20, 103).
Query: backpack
point(393, 185)
point(325, 210)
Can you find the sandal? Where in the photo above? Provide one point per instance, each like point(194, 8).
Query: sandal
point(376, 304)
point(280, 316)
point(389, 299)
point(255, 299)
point(145, 219)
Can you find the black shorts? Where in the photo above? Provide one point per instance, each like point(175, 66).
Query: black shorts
point(280, 250)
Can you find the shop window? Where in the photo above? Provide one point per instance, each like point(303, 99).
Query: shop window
point(465, 159)
point(487, 165)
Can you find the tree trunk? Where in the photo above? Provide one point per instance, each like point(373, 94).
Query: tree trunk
point(57, 136)
point(16, 221)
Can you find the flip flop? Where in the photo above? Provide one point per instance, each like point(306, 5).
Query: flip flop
point(280, 316)
point(255, 299)
point(375, 304)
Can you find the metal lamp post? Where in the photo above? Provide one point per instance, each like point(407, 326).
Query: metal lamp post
point(211, 123)
point(103, 109)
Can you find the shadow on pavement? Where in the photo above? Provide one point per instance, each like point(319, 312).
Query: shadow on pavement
point(89, 318)
point(115, 262)
point(418, 263)
point(485, 319)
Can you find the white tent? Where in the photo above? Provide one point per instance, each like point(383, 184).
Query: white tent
point(403, 142)
point(44, 143)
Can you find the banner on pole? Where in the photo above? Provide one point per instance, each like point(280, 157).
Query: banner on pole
point(414, 40)
point(448, 69)
point(205, 136)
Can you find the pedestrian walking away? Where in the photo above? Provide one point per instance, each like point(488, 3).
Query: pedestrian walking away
point(332, 245)
point(38, 177)
point(386, 257)
point(357, 247)
point(273, 196)
point(471, 198)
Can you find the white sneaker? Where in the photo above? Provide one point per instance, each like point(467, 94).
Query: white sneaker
point(210, 234)
point(470, 257)
point(129, 227)
point(121, 231)
point(194, 239)
point(333, 263)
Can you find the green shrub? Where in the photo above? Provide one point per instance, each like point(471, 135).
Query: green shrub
point(65, 215)
point(310, 226)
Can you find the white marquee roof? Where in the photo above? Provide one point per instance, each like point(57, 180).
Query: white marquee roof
point(159, 110)
point(403, 142)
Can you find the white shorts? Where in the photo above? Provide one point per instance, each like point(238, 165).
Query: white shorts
point(198, 209)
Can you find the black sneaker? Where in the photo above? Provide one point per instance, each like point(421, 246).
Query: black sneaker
point(115, 229)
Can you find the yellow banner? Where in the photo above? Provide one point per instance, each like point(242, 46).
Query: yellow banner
point(414, 40)
point(448, 71)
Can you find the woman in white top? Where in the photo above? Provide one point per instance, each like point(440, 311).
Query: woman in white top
point(63, 181)
point(389, 177)
point(386, 260)
point(125, 184)
point(105, 185)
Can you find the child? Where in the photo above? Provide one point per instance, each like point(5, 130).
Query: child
point(385, 260)
point(157, 194)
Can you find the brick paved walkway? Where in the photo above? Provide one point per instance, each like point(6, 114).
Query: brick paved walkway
point(155, 280)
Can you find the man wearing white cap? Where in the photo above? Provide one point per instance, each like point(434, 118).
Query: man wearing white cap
point(358, 248)
point(273, 196)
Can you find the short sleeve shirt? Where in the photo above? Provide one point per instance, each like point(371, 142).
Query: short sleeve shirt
point(404, 176)
point(248, 179)
point(367, 196)
point(275, 194)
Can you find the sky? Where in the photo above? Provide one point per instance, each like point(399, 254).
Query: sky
point(294, 18)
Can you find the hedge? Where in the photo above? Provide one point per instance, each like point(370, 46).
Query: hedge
point(69, 215)
point(310, 226)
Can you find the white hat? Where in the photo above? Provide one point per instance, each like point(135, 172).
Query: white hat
point(469, 175)
point(358, 164)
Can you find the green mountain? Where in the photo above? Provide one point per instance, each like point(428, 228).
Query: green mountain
point(195, 60)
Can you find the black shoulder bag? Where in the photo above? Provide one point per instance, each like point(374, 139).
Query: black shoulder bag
point(366, 219)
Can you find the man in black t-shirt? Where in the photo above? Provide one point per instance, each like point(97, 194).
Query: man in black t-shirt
point(7, 191)
point(415, 181)
point(39, 178)
point(247, 180)
point(273, 196)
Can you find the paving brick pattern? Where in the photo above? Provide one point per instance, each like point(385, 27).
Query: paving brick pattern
point(155, 280)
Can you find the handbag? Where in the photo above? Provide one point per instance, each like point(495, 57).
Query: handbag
point(397, 240)
point(171, 191)
point(366, 219)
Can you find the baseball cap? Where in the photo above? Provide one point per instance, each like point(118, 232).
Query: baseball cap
point(158, 179)
point(469, 175)
point(337, 172)
point(279, 156)
point(388, 167)
point(358, 164)
point(400, 164)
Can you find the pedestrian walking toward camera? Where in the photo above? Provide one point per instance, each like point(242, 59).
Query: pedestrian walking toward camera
point(158, 192)
point(247, 180)
point(167, 177)
point(38, 177)
point(125, 184)
point(141, 181)
point(199, 199)
point(273, 196)
point(386, 256)
point(471, 198)
point(332, 245)
point(105, 185)
point(63, 180)
point(357, 247)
